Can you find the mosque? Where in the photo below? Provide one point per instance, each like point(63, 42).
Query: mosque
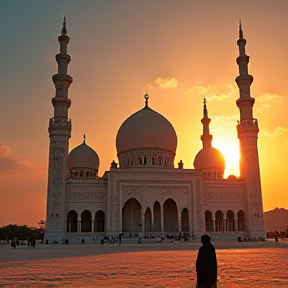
point(144, 195)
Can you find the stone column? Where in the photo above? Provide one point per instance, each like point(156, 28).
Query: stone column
point(143, 223)
point(78, 226)
point(93, 225)
point(224, 223)
point(152, 220)
point(236, 225)
point(162, 220)
point(179, 222)
point(213, 225)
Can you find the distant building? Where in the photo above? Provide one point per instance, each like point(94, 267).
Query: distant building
point(144, 195)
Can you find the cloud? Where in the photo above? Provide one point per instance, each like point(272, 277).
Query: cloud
point(276, 133)
point(166, 83)
point(268, 97)
point(218, 92)
point(10, 162)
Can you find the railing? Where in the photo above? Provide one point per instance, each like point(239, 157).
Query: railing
point(248, 122)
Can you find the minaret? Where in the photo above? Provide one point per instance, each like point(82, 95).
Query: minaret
point(59, 133)
point(206, 138)
point(247, 129)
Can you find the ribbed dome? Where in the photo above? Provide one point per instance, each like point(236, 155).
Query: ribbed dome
point(146, 129)
point(83, 156)
point(209, 157)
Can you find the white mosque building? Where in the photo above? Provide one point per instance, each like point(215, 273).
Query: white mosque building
point(144, 195)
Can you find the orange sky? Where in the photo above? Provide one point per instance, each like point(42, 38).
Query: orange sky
point(176, 51)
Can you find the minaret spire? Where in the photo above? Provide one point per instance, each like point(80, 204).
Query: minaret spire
point(247, 130)
point(206, 137)
point(59, 134)
point(64, 30)
point(146, 96)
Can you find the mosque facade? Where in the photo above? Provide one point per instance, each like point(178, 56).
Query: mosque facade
point(144, 195)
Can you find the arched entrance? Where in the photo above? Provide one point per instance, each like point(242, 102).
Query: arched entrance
point(86, 222)
point(99, 221)
point(170, 216)
point(185, 220)
point(148, 220)
point(241, 220)
point(157, 217)
point(219, 221)
point(208, 221)
point(72, 217)
point(131, 217)
point(230, 223)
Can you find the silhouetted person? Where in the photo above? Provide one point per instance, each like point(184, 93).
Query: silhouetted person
point(206, 264)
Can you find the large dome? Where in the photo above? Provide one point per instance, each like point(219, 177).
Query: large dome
point(209, 158)
point(83, 156)
point(146, 129)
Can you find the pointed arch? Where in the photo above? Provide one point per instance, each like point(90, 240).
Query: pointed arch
point(86, 221)
point(72, 218)
point(170, 214)
point(208, 221)
point(131, 216)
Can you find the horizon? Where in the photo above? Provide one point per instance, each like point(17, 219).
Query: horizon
point(177, 53)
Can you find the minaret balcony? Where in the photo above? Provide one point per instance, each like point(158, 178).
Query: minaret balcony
point(60, 123)
point(248, 125)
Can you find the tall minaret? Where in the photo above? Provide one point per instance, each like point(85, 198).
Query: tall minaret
point(206, 138)
point(59, 133)
point(247, 129)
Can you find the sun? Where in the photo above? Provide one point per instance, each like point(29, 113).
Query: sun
point(230, 150)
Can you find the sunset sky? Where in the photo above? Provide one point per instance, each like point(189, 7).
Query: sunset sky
point(176, 51)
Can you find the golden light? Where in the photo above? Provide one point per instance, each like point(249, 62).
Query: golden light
point(230, 150)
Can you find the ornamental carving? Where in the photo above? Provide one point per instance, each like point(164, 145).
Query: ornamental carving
point(96, 196)
point(215, 195)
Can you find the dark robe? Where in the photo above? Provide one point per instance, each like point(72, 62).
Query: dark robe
point(206, 266)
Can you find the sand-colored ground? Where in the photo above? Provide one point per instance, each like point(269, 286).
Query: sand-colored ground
point(56, 251)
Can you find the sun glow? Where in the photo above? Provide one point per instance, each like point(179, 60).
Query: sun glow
point(230, 150)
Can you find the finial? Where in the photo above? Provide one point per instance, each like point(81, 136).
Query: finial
point(205, 112)
point(84, 139)
point(240, 30)
point(146, 96)
point(64, 30)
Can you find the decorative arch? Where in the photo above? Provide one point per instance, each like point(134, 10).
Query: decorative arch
point(230, 221)
point(99, 221)
point(86, 221)
point(131, 216)
point(170, 214)
point(208, 221)
point(241, 220)
point(219, 221)
point(157, 217)
point(185, 220)
point(72, 218)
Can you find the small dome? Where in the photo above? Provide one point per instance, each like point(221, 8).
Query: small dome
point(146, 129)
point(83, 156)
point(209, 158)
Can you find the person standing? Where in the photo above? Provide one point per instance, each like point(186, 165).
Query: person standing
point(206, 264)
